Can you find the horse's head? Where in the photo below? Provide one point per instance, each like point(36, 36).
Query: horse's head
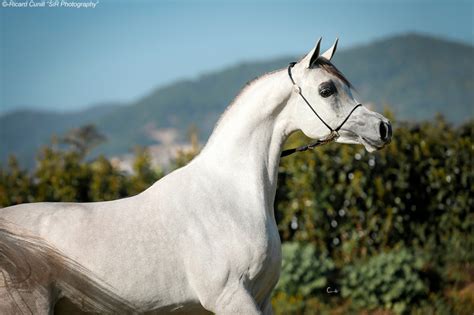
point(321, 90)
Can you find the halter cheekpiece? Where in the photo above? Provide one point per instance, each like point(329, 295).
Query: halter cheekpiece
point(334, 132)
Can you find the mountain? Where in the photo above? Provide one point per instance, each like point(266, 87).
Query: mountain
point(417, 75)
point(23, 132)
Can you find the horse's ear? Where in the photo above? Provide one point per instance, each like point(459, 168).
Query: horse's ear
point(312, 56)
point(331, 51)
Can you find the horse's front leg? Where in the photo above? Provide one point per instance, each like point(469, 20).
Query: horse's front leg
point(267, 306)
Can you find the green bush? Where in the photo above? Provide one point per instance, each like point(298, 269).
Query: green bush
point(304, 271)
point(417, 192)
point(65, 175)
point(392, 280)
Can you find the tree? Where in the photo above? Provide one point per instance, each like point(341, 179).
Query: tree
point(83, 139)
point(106, 183)
point(61, 176)
point(143, 173)
point(15, 184)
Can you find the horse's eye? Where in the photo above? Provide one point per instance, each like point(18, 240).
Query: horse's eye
point(326, 92)
point(327, 89)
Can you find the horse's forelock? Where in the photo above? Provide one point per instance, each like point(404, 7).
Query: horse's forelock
point(325, 64)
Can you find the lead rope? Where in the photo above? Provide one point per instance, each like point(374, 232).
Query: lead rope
point(334, 132)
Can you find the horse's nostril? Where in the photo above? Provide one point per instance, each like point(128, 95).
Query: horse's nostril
point(385, 131)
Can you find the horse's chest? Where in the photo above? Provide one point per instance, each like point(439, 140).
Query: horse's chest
point(263, 260)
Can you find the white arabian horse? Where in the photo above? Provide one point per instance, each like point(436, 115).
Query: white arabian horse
point(201, 239)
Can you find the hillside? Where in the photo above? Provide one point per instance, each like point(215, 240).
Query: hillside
point(417, 75)
point(23, 132)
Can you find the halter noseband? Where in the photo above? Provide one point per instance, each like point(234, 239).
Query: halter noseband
point(334, 132)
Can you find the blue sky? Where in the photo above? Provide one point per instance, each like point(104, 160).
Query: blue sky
point(67, 59)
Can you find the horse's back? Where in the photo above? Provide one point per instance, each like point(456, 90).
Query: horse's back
point(86, 247)
point(33, 274)
point(47, 251)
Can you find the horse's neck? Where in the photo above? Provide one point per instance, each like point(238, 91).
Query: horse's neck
point(249, 137)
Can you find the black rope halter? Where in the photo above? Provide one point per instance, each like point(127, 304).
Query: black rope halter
point(334, 132)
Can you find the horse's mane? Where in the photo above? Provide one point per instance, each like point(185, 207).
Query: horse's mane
point(247, 85)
